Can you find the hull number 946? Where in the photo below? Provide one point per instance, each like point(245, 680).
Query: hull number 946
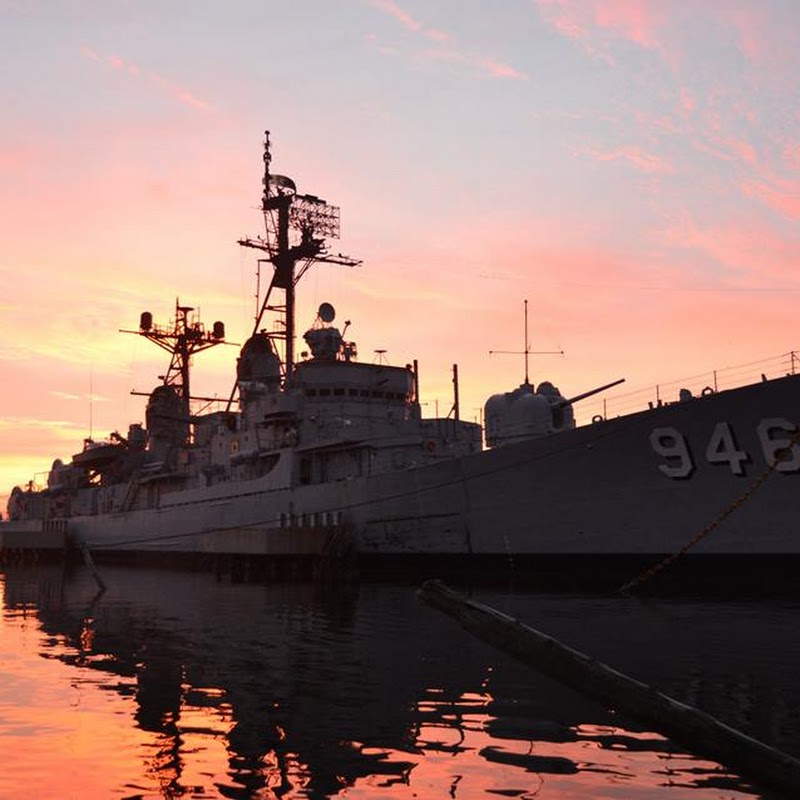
point(777, 436)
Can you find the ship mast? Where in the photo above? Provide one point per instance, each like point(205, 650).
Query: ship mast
point(185, 337)
point(297, 226)
point(527, 351)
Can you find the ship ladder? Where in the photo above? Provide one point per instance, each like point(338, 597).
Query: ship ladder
point(130, 495)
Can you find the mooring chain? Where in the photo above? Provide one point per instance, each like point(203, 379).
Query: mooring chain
point(781, 456)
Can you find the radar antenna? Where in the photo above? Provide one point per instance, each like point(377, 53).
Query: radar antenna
point(527, 351)
point(297, 226)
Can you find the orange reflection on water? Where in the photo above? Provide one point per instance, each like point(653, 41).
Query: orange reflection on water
point(58, 733)
point(458, 756)
point(68, 729)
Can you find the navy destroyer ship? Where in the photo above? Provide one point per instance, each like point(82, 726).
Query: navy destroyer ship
point(317, 453)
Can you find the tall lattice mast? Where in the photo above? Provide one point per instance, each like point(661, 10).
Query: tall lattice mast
point(297, 226)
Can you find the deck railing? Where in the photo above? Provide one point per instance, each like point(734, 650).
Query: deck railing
point(617, 404)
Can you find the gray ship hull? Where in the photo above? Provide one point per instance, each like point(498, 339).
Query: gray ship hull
point(645, 484)
point(603, 488)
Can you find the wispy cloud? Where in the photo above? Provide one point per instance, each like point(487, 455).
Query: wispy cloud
point(660, 27)
point(782, 196)
point(499, 70)
point(791, 155)
point(637, 158)
point(57, 426)
point(448, 50)
point(751, 251)
point(180, 93)
point(587, 22)
point(393, 10)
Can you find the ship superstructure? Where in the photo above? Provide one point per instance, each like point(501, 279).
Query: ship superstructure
point(316, 448)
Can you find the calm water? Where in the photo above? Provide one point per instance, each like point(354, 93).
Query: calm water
point(174, 685)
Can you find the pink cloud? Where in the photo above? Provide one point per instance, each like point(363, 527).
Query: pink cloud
point(436, 35)
point(635, 156)
point(90, 54)
point(408, 21)
point(637, 21)
point(782, 196)
point(663, 123)
point(791, 155)
point(749, 26)
point(490, 66)
point(738, 148)
point(752, 251)
point(402, 16)
point(180, 93)
point(686, 99)
point(498, 70)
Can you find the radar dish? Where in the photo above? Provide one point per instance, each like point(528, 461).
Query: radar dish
point(327, 313)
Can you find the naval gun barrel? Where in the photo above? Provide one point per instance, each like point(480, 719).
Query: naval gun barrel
point(569, 401)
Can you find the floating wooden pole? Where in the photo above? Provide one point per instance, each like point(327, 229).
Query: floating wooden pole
point(694, 729)
point(87, 557)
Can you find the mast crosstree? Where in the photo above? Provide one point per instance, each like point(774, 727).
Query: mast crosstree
point(185, 337)
point(527, 351)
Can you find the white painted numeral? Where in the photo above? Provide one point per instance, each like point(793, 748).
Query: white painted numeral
point(722, 449)
point(779, 451)
point(671, 444)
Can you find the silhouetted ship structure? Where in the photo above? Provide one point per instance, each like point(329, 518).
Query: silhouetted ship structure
point(324, 455)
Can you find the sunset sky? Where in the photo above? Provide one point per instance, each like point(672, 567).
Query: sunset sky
point(631, 167)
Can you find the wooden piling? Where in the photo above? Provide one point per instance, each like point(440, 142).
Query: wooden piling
point(694, 729)
point(87, 557)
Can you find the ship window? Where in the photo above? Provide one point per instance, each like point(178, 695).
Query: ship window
point(377, 393)
point(364, 393)
point(338, 392)
point(324, 392)
point(338, 516)
point(305, 470)
point(303, 520)
point(353, 392)
point(311, 392)
point(283, 520)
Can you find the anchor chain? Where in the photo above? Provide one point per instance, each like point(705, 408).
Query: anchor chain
point(781, 456)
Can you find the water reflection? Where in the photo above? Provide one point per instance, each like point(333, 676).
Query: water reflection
point(173, 685)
